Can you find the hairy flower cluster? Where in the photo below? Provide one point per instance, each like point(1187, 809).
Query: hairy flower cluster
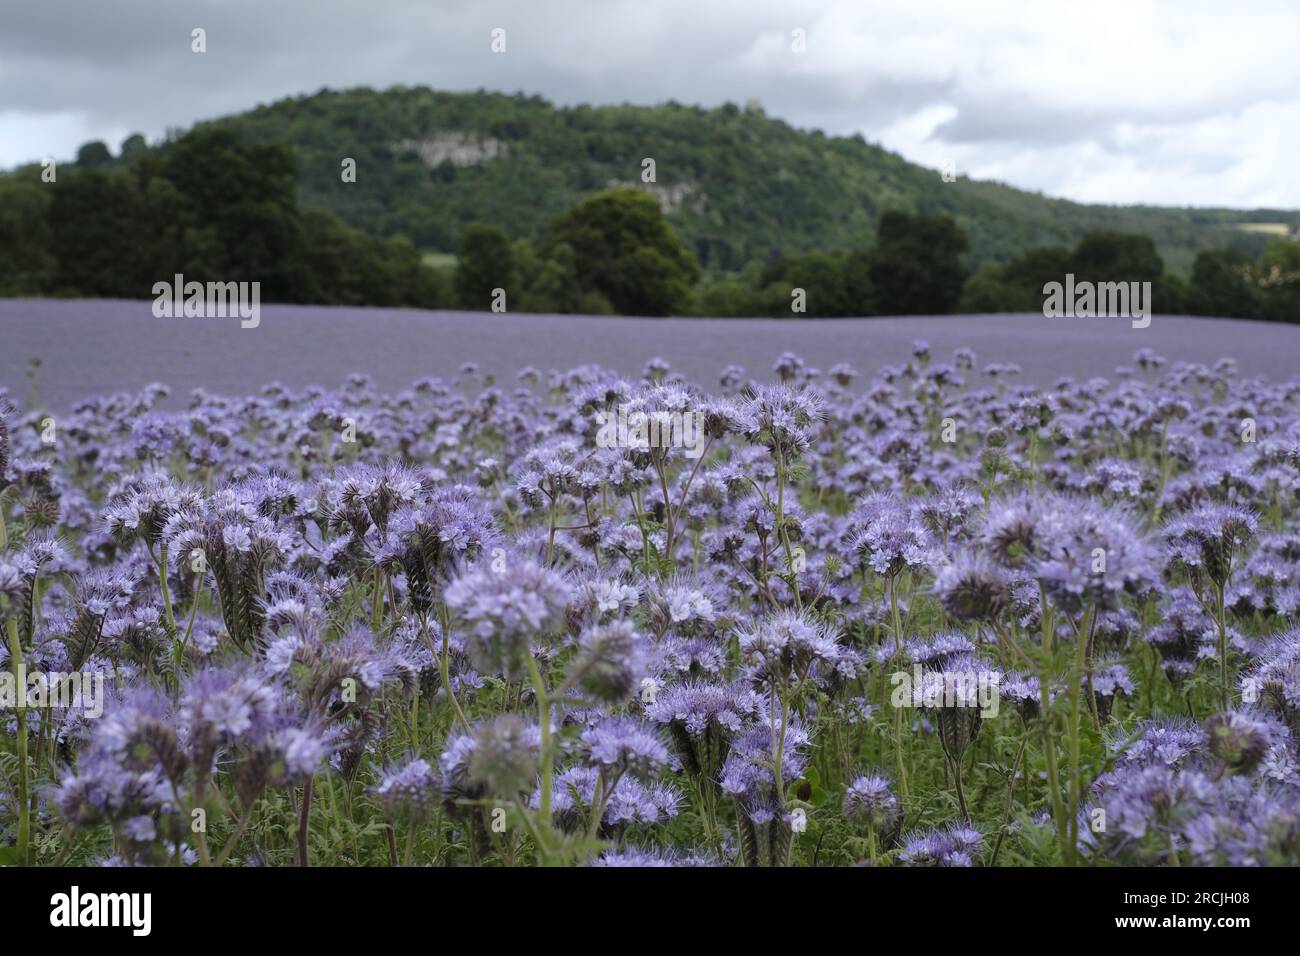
point(507, 611)
point(451, 623)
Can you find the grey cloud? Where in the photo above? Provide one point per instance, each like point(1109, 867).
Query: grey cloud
point(127, 65)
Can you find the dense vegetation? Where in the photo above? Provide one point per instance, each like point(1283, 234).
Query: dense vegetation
point(928, 617)
point(548, 205)
point(208, 206)
point(742, 186)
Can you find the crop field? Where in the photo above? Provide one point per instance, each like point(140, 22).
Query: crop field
point(913, 615)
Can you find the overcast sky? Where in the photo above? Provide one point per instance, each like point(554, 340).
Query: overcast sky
point(1180, 102)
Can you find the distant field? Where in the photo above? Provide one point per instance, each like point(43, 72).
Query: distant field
point(1280, 229)
point(88, 347)
point(439, 260)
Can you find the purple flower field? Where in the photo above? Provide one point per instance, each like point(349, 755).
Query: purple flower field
point(90, 347)
point(920, 615)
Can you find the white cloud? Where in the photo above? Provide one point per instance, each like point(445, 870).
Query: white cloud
point(1157, 101)
point(35, 137)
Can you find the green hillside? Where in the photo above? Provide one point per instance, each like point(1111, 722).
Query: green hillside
point(737, 184)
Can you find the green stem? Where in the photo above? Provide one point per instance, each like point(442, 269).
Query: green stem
point(304, 823)
point(779, 744)
point(898, 711)
point(1222, 621)
point(377, 606)
point(599, 797)
point(553, 518)
point(961, 792)
point(189, 628)
point(169, 618)
point(444, 666)
point(410, 844)
point(244, 819)
point(792, 578)
point(1045, 716)
point(670, 536)
point(681, 505)
point(1033, 459)
point(1076, 712)
point(20, 687)
point(166, 592)
point(547, 760)
point(201, 837)
point(1164, 472)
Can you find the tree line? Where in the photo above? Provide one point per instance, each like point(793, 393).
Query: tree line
point(213, 207)
point(739, 184)
point(207, 206)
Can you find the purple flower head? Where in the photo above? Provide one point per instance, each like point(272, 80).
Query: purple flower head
point(505, 756)
point(508, 607)
point(1022, 692)
point(1206, 540)
point(782, 418)
point(1239, 740)
point(625, 745)
point(703, 719)
point(631, 802)
point(436, 537)
point(870, 800)
point(958, 845)
point(893, 540)
point(140, 510)
point(749, 773)
point(1082, 553)
point(789, 644)
point(369, 494)
point(972, 588)
point(612, 661)
point(684, 606)
point(1274, 680)
point(652, 857)
point(407, 791)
